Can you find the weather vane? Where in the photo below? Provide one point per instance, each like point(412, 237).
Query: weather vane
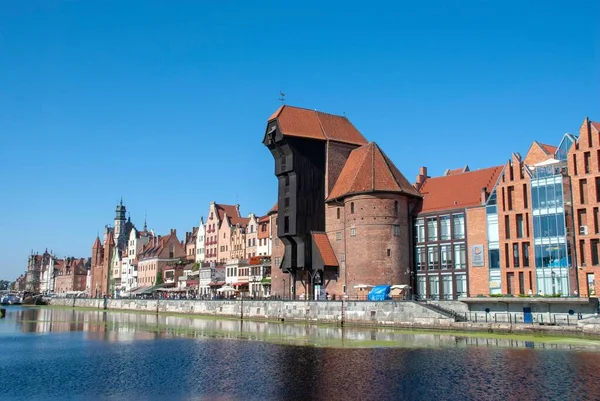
point(282, 98)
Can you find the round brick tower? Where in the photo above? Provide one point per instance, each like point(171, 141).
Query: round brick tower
point(377, 239)
point(369, 223)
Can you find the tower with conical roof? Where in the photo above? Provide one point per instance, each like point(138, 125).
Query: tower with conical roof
point(120, 222)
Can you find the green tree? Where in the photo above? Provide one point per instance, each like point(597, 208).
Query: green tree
point(196, 267)
point(4, 284)
point(159, 277)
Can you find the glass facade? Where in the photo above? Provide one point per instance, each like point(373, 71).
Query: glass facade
point(440, 256)
point(491, 211)
point(552, 258)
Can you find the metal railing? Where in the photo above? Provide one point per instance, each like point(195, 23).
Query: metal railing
point(548, 319)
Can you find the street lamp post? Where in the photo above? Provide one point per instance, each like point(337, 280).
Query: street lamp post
point(553, 283)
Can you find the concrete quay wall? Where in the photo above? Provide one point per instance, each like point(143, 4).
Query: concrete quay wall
point(405, 313)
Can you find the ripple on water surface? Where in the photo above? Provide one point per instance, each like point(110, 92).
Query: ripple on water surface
point(51, 354)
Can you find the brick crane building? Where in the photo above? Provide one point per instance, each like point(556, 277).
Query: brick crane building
point(343, 208)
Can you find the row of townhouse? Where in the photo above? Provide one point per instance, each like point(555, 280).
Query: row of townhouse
point(348, 219)
point(48, 274)
point(129, 261)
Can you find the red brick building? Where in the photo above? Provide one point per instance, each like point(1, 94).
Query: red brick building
point(343, 208)
point(530, 226)
point(584, 171)
point(450, 233)
point(70, 275)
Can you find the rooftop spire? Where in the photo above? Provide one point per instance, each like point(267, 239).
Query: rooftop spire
point(145, 225)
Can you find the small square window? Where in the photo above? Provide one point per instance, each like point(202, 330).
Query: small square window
point(353, 232)
point(389, 252)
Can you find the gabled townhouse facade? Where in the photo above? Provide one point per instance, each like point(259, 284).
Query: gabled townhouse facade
point(158, 253)
point(583, 160)
point(71, 275)
point(191, 238)
point(263, 236)
point(200, 247)
point(251, 237)
point(216, 241)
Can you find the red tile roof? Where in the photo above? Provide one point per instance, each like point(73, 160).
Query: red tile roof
point(242, 221)
point(111, 239)
point(305, 123)
point(458, 191)
point(596, 125)
point(324, 247)
point(273, 209)
point(97, 244)
point(457, 170)
point(367, 170)
point(231, 210)
point(549, 149)
point(264, 219)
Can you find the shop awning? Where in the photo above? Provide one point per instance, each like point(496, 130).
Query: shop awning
point(216, 283)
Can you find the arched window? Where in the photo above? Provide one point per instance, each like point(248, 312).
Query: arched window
point(352, 207)
point(338, 213)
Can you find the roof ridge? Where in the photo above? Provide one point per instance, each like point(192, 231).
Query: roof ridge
point(372, 165)
point(389, 168)
point(387, 161)
point(321, 125)
point(359, 166)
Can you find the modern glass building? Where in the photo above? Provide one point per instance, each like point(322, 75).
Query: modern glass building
point(550, 202)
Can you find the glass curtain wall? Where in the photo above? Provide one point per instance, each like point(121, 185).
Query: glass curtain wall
point(552, 258)
point(491, 211)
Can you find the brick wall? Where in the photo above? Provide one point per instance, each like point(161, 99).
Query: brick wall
point(374, 254)
point(478, 277)
point(277, 276)
point(514, 200)
point(337, 155)
point(584, 169)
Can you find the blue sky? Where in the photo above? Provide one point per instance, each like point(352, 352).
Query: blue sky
point(165, 103)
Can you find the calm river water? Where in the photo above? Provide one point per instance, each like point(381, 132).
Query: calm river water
point(62, 354)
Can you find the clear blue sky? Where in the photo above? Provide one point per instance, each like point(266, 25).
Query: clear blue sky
point(165, 103)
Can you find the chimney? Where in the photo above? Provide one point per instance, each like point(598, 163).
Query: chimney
point(421, 177)
point(484, 195)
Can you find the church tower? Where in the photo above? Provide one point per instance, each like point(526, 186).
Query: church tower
point(120, 221)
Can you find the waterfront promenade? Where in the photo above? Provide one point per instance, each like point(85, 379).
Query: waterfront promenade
point(400, 314)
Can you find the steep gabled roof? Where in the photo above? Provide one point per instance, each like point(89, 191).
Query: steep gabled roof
point(549, 149)
point(273, 209)
point(231, 210)
point(242, 221)
point(596, 125)
point(368, 170)
point(110, 240)
point(97, 244)
point(323, 245)
point(305, 123)
point(458, 191)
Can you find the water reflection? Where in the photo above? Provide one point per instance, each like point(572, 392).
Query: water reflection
point(196, 359)
point(124, 326)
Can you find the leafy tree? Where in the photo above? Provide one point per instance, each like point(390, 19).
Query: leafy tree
point(159, 277)
point(4, 284)
point(196, 267)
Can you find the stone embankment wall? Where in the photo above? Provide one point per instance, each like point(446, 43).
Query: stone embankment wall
point(406, 313)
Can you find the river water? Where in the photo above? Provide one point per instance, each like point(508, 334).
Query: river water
point(64, 354)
